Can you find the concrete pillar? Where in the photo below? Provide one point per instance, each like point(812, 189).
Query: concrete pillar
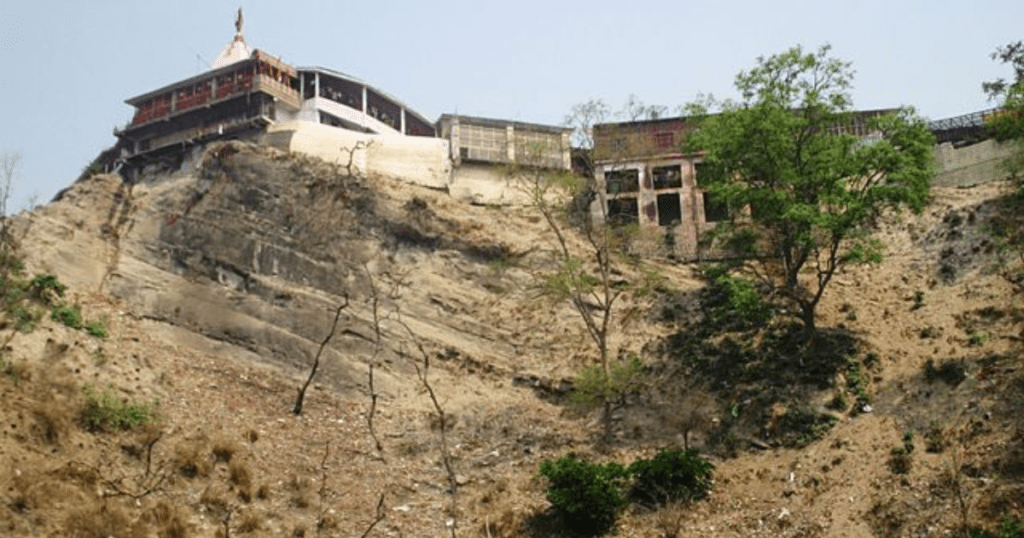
point(402, 121)
point(510, 143)
point(566, 152)
point(454, 141)
point(364, 106)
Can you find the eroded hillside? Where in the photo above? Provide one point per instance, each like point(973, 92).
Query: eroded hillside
point(217, 283)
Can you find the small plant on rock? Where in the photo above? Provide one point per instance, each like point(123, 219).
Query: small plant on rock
point(97, 329)
point(106, 411)
point(46, 288)
point(70, 316)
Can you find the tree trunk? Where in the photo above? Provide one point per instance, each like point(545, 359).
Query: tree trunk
point(606, 418)
point(807, 316)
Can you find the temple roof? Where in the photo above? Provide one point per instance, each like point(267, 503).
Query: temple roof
point(237, 50)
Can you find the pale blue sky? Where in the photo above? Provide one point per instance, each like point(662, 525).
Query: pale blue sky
point(68, 66)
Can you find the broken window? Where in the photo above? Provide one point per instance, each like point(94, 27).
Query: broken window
point(623, 211)
point(617, 181)
point(714, 210)
point(669, 210)
point(665, 140)
point(667, 177)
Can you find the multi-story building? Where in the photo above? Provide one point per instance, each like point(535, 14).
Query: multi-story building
point(644, 176)
point(483, 149)
point(248, 92)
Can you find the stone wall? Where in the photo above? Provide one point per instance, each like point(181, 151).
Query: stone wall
point(418, 160)
point(970, 165)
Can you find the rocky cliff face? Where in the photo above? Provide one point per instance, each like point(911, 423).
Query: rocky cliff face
point(256, 248)
point(219, 279)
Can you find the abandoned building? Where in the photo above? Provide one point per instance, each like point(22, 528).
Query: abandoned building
point(643, 176)
point(325, 113)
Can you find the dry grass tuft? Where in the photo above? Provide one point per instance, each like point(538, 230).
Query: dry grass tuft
point(224, 448)
point(509, 524)
point(301, 491)
point(249, 521)
point(107, 519)
point(170, 520)
point(263, 493)
point(240, 473)
point(191, 459)
point(214, 498)
point(51, 421)
point(328, 522)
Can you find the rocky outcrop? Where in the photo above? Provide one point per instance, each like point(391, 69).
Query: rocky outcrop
point(256, 247)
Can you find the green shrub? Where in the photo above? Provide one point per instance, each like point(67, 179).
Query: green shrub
point(734, 302)
point(25, 318)
point(672, 475)
point(46, 287)
point(70, 316)
point(97, 329)
point(1010, 528)
point(587, 496)
point(593, 386)
point(801, 426)
point(106, 411)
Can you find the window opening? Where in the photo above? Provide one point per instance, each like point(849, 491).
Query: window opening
point(665, 140)
point(623, 211)
point(669, 210)
point(667, 177)
point(617, 181)
point(714, 210)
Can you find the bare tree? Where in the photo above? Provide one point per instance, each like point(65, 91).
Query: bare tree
point(297, 410)
point(588, 280)
point(423, 371)
point(10, 163)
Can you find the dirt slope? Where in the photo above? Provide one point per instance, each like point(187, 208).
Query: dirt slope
point(219, 281)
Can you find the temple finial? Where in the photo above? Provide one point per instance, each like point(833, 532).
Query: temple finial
point(238, 21)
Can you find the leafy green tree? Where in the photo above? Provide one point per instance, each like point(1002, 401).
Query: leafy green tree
point(803, 189)
point(1008, 125)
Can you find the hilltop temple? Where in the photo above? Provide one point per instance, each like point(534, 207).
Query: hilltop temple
point(250, 94)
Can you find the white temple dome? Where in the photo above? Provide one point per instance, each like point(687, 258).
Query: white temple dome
point(237, 50)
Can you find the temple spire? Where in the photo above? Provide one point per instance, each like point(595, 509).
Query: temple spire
point(237, 50)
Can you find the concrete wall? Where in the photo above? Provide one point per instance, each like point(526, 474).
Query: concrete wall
point(970, 165)
point(419, 160)
point(485, 184)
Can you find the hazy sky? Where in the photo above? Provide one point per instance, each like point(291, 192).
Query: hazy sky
point(68, 66)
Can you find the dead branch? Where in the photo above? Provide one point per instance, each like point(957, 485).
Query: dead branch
point(381, 515)
point(361, 144)
point(297, 410)
point(446, 457)
point(323, 488)
point(375, 304)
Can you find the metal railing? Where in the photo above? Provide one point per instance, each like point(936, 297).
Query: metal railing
point(961, 128)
